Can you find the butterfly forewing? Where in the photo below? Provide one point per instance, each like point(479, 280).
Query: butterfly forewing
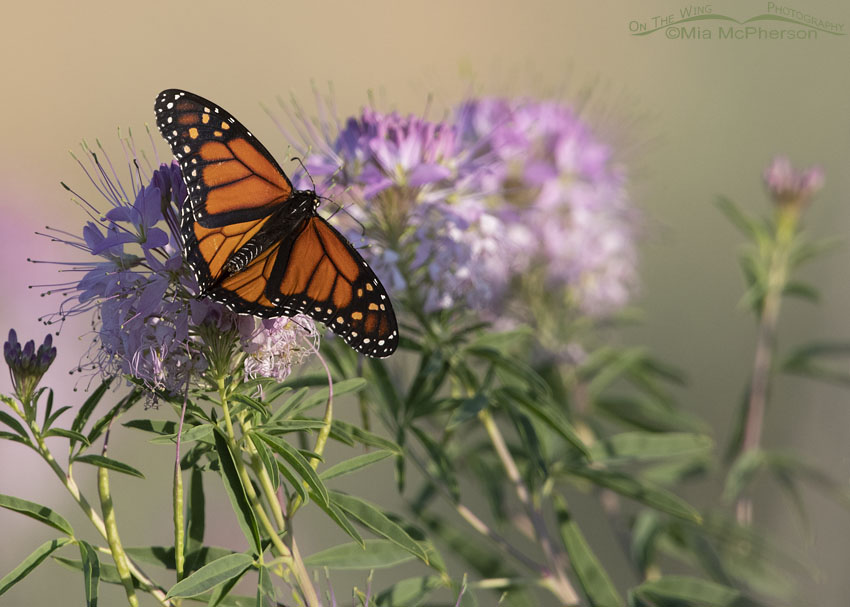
point(230, 176)
point(257, 246)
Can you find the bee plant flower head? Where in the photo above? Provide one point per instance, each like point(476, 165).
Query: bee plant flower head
point(788, 186)
point(464, 207)
point(148, 322)
point(26, 364)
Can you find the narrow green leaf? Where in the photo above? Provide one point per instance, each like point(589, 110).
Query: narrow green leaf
point(467, 409)
point(355, 463)
point(120, 407)
point(202, 432)
point(267, 459)
point(298, 463)
point(156, 426)
point(31, 562)
point(591, 575)
point(377, 554)
point(88, 407)
point(640, 446)
point(16, 439)
point(340, 518)
point(108, 573)
point(409, 592)
point(377, 521)
point(365, 437)
point(444, 466)
point(54, 416)
point(40, 513)
point(742, 472)
point(292, 425)
point(251, 402)
point(294, 481)
point(236, 492)
point(640, 491)
point(70, 434)
point(815, 360)
point(749, 227)
point(672, 590)
point(647, 413)
point(107, 462)
point(547, 414)
point(91, 572)
point(13, 424)
point(211, 575)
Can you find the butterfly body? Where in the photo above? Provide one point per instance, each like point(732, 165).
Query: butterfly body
point(256, 244)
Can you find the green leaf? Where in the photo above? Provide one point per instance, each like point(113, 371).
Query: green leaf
point(70, 434)
point(444, 466)
point(40, 513)
point(88, 407)
point(156, 426)
point(647, 413)
point(591, 575)
point(211, 575)
point(640, 446)
point(674, 590)
point(91, 572)
point(377, 554)
point(236, 492)
point(546, 414)
point(409, 592)
point(251, 402)
point(292, 425)
point(55, 415)
point(640, 491)
point(364, 437)
point(377, 521)
point(107, 462)
point(355, 463)
point(123, 405)
point(742, 472)
point(31, 562)
point(755, 230)
point(813, 361)
point(298, 463)
point(320, 396)
point(13, 424)
point(467, 409)
point(340, 518)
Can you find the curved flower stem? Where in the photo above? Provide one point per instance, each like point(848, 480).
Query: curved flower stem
point(70, 484)
point(777, 279)
point(112, 537)
point(558, 581)
point(177, 497)
point(295, 564)
point(325, 431)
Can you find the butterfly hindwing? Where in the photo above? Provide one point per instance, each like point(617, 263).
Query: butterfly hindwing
point(325, 277)
point(256, 245)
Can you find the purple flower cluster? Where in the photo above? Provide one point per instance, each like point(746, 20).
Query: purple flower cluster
point(147, 318)
point(465, 208)
point(26, 364)
point(787, 185)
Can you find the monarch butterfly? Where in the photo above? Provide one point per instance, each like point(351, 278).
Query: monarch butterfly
point(258, 245)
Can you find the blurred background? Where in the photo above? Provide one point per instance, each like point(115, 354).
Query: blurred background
point(692, 118)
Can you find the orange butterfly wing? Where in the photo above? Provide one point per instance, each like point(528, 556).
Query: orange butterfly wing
point(254, 243)
point(324, 276)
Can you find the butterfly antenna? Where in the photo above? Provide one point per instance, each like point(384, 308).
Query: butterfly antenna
point(313, 183)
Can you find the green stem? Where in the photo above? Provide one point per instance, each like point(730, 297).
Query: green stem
point(777, 279)
point(112, 537)
point(557, 578)
point(70, 484)
point(296, 564)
